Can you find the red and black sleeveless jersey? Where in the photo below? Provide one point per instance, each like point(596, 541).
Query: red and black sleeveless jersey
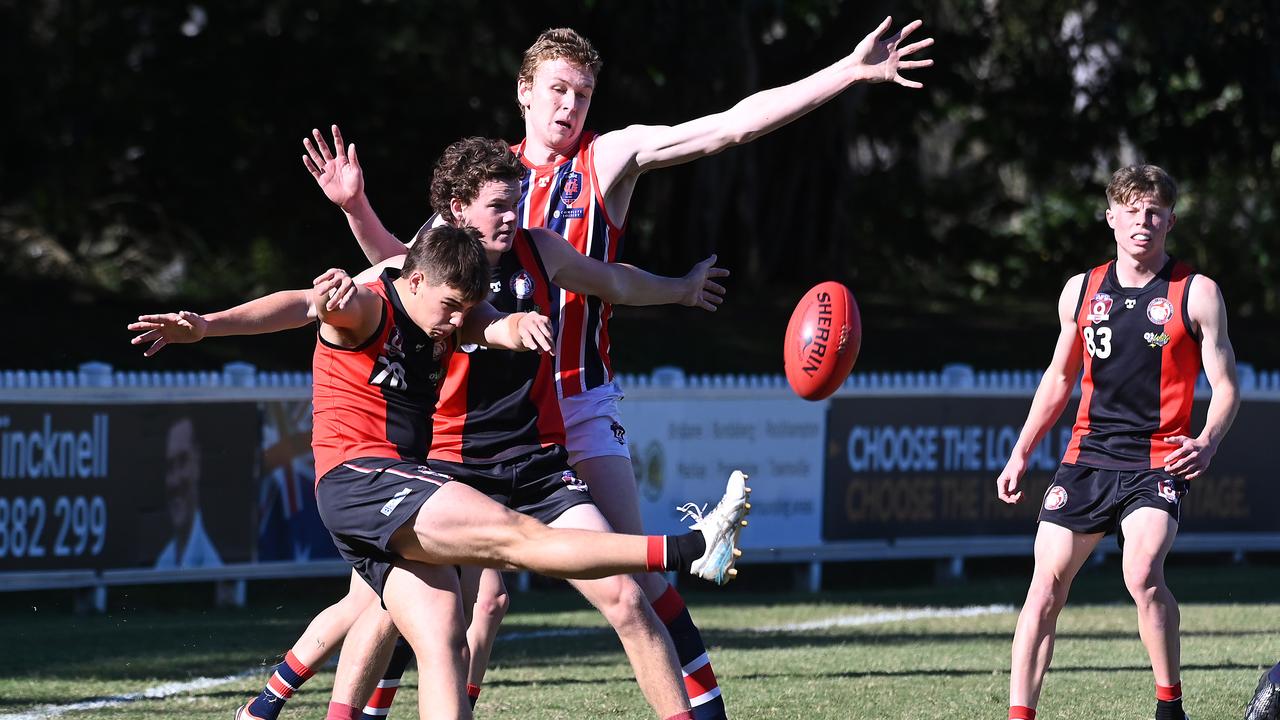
point(499, 404)
point(566, 198)
point(1141, 361)
point(376, 400)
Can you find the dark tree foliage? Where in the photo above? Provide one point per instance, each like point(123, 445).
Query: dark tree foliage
point(152, 159)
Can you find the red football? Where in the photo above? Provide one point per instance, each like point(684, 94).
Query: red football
point(822, 341)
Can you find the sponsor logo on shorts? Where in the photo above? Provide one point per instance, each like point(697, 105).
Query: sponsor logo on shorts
point(1169, 492)
point(1055, 498)
point(1156, 341)
point(522, 285)
point(572, 481)
point(619, 432)
point(1099, 308)
point(1160, 311)
point(396, 500)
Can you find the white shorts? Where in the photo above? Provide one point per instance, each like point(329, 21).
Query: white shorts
point(592, 425)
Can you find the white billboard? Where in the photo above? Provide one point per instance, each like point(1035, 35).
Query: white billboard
point(684, 450)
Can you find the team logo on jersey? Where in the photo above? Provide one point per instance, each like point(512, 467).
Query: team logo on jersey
point(1160, 311)
point(571, 188)
point(1099, 308)
point(388, 371)
point(1169, 492)
point(1055, 498)
point(468, 348)
point(522, 285)
point(572, 481)
point(1130, 303)
point(495, 287)
point(1156, 341)
point(437, 350)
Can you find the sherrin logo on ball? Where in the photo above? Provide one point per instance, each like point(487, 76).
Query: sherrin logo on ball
point(822, 340)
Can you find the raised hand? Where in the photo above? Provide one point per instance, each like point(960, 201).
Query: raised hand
point(168, 328)
point(334, 288)
point(337, 173)
point(878, 59)
point(702, 291)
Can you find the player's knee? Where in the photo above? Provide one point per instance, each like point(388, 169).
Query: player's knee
point(1046, 596)
point(490, 608)
point(1142, 581)
point(623, 604)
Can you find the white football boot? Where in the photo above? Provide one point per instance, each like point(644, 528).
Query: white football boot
point(720, 529)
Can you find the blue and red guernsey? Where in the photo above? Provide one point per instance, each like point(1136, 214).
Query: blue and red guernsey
point(1141, 361)
point(499, 404)
point(376, 400)
point(565, 198)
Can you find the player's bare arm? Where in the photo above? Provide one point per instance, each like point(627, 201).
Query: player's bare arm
point(1051, 396)
point(283, 310)
point(340, 177)
point(1208, 313)
point(348, 324)
point(623, 284)
point(623, 155)
point(488, 326)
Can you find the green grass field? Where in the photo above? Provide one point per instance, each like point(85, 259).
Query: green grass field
point(939, 667)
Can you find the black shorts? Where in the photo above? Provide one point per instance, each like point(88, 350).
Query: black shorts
point(1092, 500)
point(364, 501)
point(540, 484)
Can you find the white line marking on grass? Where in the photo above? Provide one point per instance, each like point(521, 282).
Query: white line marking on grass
point(168, 689)
point(889, 616)
point(159, 691)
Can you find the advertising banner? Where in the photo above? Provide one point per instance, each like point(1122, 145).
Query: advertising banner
point(684, 450)
point(289, 523)
point(127, 486)
point(926, 466)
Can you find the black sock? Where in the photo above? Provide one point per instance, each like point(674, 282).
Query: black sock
point(682, 550)
point(1170, 710)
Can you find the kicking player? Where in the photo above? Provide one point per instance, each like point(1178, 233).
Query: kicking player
point(1142, 326)
point(579, 184)
point(498, 413)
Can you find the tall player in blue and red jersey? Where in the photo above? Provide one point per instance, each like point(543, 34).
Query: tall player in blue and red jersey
point(579, 184)
point(1141, 327)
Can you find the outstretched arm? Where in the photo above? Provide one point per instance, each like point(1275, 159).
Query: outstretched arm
point(636, 149)
point(278, 311)
point(1208, 311)
point(1051, 396)
point(341, 178)
point(623, 284)
point(485, 325)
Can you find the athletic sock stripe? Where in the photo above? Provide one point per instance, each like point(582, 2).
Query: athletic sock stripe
point(376, 711)
point(701, 681)
point(656, 556)
point(389, 683)
point(696, 664)
point(669, 605)
point(705, 698)
point(279, 687)
point(294, 664)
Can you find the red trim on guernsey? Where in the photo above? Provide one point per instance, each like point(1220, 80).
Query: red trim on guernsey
point(1092, 283)
point(1179, 368)
point(450, 416)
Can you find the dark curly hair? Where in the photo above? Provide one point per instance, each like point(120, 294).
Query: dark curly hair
point(465, 166)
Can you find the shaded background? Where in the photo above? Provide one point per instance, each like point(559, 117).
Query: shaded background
point(151, 161)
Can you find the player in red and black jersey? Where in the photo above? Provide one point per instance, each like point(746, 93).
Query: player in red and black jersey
point(1140, 327)
point(376, 371)
point(498, 426)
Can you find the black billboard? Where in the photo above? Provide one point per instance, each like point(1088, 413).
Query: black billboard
point(128, 485)
point(924, 466)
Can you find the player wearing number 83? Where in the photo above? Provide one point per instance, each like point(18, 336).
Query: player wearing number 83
point(1140, 327)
